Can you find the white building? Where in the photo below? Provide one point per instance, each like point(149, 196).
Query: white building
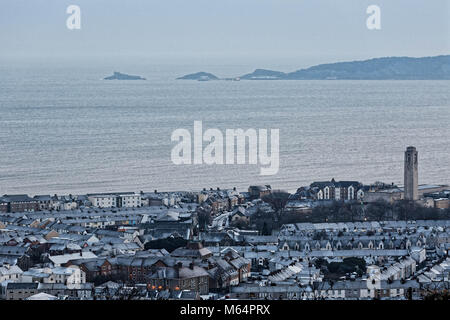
point(115, 200)
point(103, 200)
point(130, 200)
point(68, 276)
point(403, 269)
point(418, 254)
point(10, 273)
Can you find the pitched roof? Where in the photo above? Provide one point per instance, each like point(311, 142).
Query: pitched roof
point(17, 198)
point(22, 285)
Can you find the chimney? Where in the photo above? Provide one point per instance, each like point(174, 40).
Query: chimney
point(191, 265)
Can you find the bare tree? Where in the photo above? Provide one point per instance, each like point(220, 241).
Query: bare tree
point(278, 200)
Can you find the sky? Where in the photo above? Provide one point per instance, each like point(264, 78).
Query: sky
point(224, 31)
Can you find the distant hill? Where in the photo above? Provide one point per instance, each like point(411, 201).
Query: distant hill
point(395, 68)
point(200, 76)
point(399, 68)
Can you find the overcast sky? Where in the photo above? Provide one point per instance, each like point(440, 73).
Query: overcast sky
point(325, 30)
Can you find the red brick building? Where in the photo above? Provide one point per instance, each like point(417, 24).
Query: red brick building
point(18, 203)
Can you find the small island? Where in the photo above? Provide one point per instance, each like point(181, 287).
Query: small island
point(263, 74)
point(199, 76)
point(123, 76)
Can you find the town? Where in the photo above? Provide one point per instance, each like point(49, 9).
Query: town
point(328, 240)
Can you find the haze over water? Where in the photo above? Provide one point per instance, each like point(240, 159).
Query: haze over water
point(64, 130)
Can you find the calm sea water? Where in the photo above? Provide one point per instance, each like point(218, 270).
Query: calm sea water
point(64, 130)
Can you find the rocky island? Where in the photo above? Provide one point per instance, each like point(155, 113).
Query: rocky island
point(123, 76)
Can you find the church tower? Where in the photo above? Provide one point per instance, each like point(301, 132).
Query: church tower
point(411, 174)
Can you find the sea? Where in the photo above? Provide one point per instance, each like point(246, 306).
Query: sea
point(64, 130)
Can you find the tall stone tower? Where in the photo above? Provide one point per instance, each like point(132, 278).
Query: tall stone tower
point(411, 174)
